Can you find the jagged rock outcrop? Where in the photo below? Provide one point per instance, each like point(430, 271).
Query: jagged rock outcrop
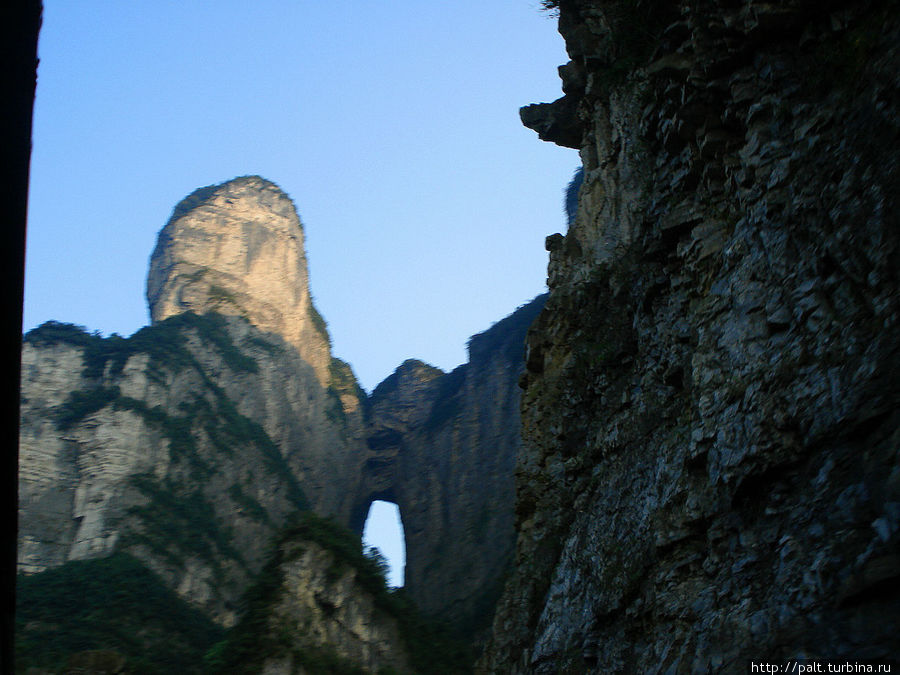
point(237, 249)
point(709, 472)
point(322, 608)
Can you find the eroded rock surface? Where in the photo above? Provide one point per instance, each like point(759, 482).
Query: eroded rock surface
point(323, 606)
point(710, 471)
point(191, 443)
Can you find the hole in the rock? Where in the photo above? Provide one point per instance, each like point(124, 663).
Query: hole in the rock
point(384, 530)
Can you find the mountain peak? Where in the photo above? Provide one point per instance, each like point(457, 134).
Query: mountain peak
point(237, 248)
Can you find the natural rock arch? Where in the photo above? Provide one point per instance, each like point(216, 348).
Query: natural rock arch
point(443, 447)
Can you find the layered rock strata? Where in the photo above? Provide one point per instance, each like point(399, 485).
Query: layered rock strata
point(710, 474)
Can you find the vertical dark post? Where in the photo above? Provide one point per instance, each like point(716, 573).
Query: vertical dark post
point(20, 21)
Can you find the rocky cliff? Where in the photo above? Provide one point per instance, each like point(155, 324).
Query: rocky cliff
point(319, 606)
point(237, 249)
point(191, 443)
point(710, 471)
point(443, 446)
point(190, 446)
point(186, 445)
point(325, 611)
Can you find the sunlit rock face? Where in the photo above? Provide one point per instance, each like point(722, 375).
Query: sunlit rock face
point(189, 446)
point(237, 249)
point(191, 443)
point(709, 472)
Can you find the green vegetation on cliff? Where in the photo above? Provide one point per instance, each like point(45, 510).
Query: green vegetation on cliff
point(164, 343)
point(507, 336)
point(431, 648)
point(254, 638)
point(82, 403)
point(116, 604)
point(56, 332)
point(180, 524)
point(319, 322)
point(343, 381)
point(573, 189)
point(176, 518)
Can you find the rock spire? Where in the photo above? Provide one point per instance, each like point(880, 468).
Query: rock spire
point(237, 249)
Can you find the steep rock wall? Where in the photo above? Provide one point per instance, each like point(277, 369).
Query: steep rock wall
point(188, 445)
point(319, 606)
point(324, 608)
point(710, 470)
point(443, 446)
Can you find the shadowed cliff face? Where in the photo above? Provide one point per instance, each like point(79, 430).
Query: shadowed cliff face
point(710, 471)
point(319, 606)
point(443, 446)
point(192, 444)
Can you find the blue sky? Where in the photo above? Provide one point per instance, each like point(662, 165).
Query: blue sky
point(393, 126)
